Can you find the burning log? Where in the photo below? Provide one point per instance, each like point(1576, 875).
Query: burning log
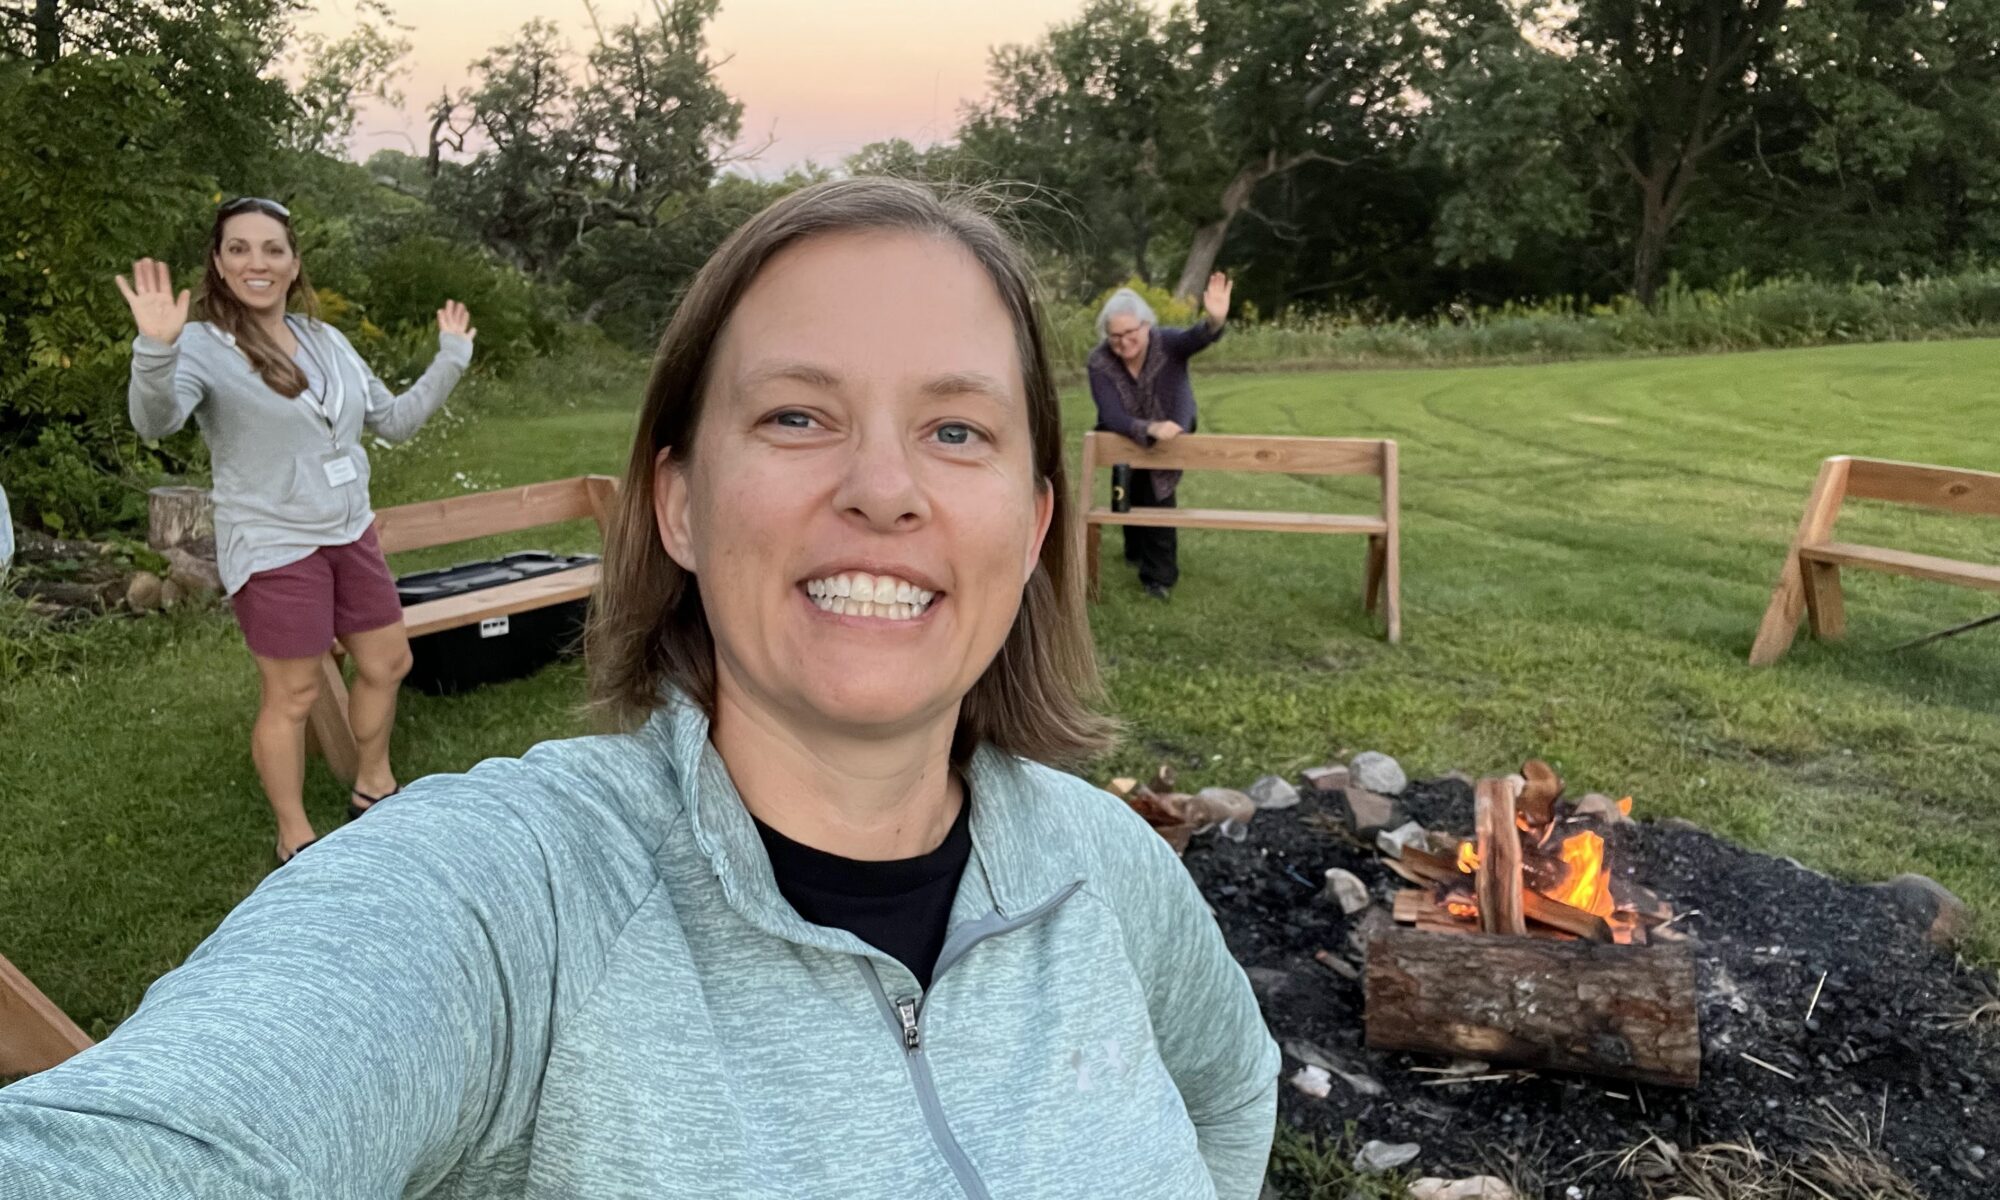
point(1497, 879)
point(1618, 1011)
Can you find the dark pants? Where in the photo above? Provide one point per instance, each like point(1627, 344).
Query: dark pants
point(1155, 550)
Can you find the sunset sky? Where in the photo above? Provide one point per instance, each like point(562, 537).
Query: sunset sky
point(823, 76)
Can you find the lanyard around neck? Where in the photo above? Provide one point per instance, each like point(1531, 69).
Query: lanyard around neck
point(318, 402)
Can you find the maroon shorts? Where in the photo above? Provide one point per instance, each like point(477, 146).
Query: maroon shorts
point(295, 611)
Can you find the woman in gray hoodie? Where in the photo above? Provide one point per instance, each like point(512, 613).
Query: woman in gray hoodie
point(282, 399)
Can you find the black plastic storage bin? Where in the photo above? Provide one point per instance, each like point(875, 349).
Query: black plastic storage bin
point(499, 648)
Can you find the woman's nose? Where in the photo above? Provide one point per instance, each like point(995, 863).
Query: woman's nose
point(880, 483)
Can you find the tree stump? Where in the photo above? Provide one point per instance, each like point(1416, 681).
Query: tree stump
point(1627, 1012)
point(183, 517)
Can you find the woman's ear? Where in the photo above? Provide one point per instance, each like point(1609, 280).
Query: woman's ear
point(670, 509)
point(1045, 510)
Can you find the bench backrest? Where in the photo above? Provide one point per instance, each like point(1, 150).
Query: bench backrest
point(1243, 452)
point(1238, 452)
point(484, 514)
point(1952, 489)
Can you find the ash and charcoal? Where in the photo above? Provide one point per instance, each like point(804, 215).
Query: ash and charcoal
point(1880, 1047)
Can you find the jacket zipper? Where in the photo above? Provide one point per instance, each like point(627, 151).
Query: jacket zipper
point(906, 1018)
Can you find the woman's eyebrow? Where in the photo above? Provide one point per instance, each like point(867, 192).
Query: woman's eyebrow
point(963, 383)
point(797, 372)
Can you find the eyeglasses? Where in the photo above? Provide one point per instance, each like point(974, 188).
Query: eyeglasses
point(1126, 336)
point(244, 203)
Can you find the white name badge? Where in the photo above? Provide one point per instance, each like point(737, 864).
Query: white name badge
point(341, 470)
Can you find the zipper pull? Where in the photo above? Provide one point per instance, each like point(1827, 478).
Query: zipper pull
point(906, 1012)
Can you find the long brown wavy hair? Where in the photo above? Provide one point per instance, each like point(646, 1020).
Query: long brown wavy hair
point(648, 632)
point(220, 307)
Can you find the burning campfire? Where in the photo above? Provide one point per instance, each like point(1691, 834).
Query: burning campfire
point(1532, 879)
point(1536, 867)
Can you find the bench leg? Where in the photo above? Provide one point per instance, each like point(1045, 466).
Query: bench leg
point(1371, 579)
point(1788, 599)
point(1093, 549)
point(1392, 584)
point(1826, 609)
point(326, 724)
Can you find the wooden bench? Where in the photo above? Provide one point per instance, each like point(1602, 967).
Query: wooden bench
point(34, 1033)
point(1382, 587)
point(459, 519)
point(1809, 582)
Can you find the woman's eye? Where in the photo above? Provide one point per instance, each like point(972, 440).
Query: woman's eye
point(957, 435)
point(793, 420)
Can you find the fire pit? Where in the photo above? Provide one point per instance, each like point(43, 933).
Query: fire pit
point(1822, 1006)
point(1610, 1005)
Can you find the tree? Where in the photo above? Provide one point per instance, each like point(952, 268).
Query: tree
point(1292, 82)
point(563, 156)
point(338, 73)
point(1101, 113)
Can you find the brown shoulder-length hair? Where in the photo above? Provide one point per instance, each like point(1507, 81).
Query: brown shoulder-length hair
point(648, 632)
point(220, 307)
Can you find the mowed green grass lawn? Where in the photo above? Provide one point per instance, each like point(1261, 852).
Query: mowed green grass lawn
point(1587, 550)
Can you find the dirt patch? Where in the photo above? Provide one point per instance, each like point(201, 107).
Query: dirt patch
point(1885, 1046)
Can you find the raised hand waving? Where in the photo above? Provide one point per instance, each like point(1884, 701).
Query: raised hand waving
point(159, 313)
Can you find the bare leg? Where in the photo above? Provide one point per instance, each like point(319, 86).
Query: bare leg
point(381, 659)
point(278, 742)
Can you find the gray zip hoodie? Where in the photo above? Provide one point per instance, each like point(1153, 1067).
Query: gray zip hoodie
point(290, 474)
point(572, 975)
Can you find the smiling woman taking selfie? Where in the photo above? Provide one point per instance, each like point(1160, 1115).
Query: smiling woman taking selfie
point(820, 923)
point(282, 400)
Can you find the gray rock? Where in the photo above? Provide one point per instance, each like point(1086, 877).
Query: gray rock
point(1345, 889)
point(1314, 1056)
point(1326, 779)
point(1378, 773)
point(1377, 1157)
point(1225, 804)
point(1682, 824)
point(1602, 807)
point(1313, 1081)
point(1368, 812)
point(1945, 915)
point(1269, 980)
point(1273, 792)
point(1392, 841)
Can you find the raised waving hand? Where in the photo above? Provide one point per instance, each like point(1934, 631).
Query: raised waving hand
point(158, 312)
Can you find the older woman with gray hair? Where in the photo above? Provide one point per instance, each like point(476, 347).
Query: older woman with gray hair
point(1139, 380)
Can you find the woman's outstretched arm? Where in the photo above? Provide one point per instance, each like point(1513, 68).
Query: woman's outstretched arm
point(370, 1012)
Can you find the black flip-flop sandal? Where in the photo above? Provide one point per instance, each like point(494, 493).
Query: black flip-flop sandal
point(355, 810)
point(284, 858)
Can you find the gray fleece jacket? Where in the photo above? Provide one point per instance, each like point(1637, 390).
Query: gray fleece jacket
point(573, 975)
point(290, 475)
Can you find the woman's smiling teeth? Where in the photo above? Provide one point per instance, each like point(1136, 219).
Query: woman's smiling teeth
point(859, 594)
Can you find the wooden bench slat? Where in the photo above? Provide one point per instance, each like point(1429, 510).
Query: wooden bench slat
point(1242, 452)
point(34, 1034)
point(1219, 518)
point(1952, 489)
point(524, 595)
point(483, 514)
point(1903, 562)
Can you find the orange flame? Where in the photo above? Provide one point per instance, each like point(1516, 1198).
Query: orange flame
point(1625, 806)
point(1468, 858)
point(1585, 885)
point(1461, 908)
